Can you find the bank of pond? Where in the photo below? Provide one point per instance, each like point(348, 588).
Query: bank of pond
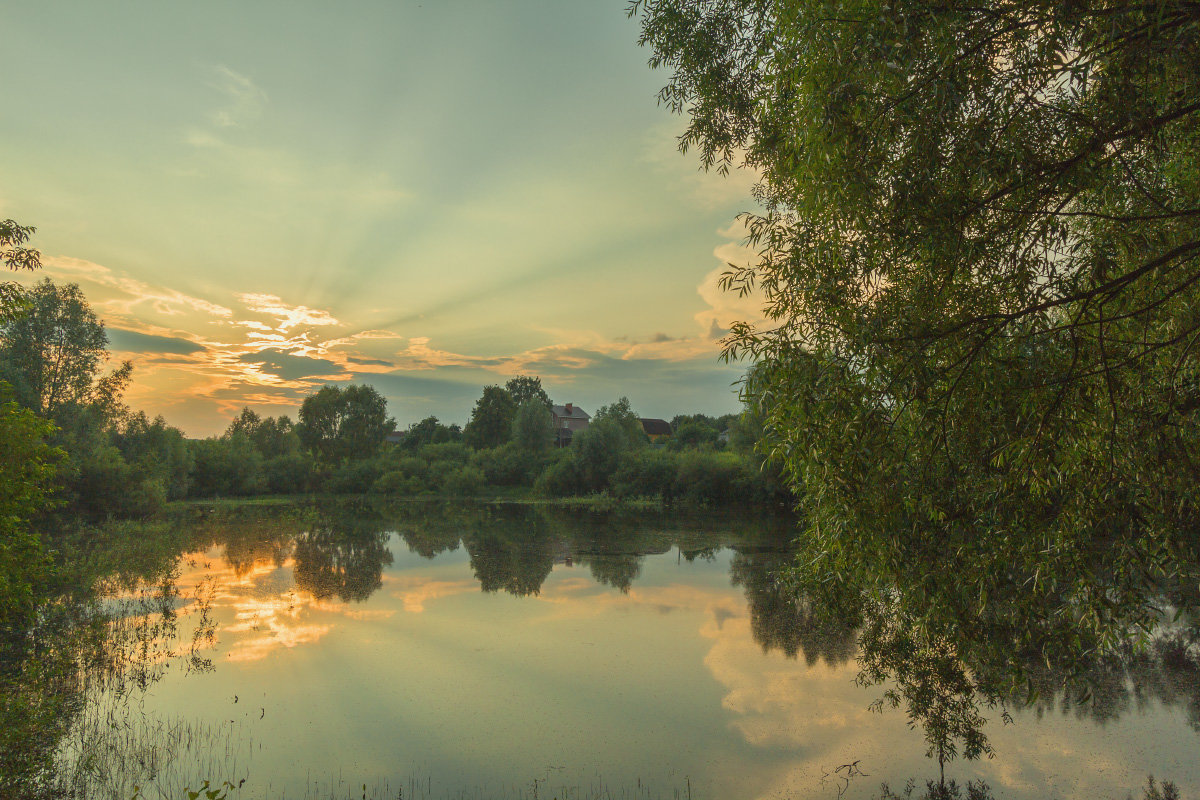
point(363, 646)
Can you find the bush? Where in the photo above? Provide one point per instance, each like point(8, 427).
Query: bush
point(354, 477)
point(290, 474)
point(596, 451)
point(707, 478)
point(454, 452)
point(229, 466)
point(509, 465)
point(463, 482)
point(560, 479)
point(646, 473)
point(395, 483)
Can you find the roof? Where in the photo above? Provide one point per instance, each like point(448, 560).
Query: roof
point(656, 427)
point(576, 412)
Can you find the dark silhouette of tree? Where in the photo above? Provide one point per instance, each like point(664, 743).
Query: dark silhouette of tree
point(491, 420)
point(342, 424)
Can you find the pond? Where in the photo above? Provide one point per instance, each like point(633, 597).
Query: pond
point(433, 651)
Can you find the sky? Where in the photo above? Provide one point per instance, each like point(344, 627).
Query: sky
point(259, 199)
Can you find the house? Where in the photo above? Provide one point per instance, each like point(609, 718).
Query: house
point(658, 430)
point(568, 419)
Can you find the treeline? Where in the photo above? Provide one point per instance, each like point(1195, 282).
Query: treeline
point(115, 462)
point(506, 446)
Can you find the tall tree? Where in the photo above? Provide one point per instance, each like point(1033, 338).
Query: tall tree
point(340, 424)
point(491, 420)
point(533, 426)
point(52, 352)
point(979, 255)
point(524, 388)
point(623, 414)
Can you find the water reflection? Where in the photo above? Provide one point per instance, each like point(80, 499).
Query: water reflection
point(278, 581)
point(781, 621)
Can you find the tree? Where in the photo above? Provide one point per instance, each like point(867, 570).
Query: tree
point(272, 436)
point(491, 420)
point(979, 255)
point(26, 470)
point(341, 424)
point(622, 413)
point(428, 431)
point(533, 426)
point(524, 388)
point(52, 352)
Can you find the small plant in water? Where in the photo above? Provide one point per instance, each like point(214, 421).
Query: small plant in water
point(939, 790)
point(1153, 791)
point(210, 792)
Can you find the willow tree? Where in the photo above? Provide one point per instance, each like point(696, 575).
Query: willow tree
point(978, 242)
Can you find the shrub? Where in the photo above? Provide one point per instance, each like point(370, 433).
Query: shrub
point(396, 482)
point(290, 474)
point(710, 478)
point(354, 477)
point(463, 481)
point(454, 452)
point(560, 479)
point(646, 473)
point(509, 465)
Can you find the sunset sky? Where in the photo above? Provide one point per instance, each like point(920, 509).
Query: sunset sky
point(262, 198)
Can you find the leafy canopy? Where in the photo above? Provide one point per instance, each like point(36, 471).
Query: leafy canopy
point(978, 250)
point(339, 424)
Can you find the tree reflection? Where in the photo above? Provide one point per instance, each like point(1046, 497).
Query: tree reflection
point(781, 620)
point(342, 555)
point(615, 557)
point(517, 564)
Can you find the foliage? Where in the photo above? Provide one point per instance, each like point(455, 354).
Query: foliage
point(353, 477)
point(26, 469)
point(156, 452)
point(15, 256)
point(622, 413)
point(978, 257)
point(291, 473)
point(429, 431)
point(596, 451)
point(533, 426)
point(691, 433)
point(524, 388)
point(491, 420)
point(272, 437)
point(464, 481)
point(52, 352)
point(229, 466)
point(646, 473)
point(341, 424)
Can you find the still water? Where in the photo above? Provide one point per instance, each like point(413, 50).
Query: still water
point(499, 652)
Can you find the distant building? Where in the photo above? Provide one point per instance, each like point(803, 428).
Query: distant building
point(568, 419)
point(395, 437)
point(659, 430)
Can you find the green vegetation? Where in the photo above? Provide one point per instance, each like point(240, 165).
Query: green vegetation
point(121, 464)
point(978, 252)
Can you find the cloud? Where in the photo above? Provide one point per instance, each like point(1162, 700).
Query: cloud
point(291, 367)
point(134, 342)
point(287, 316)
point(244, 99)
point(708, 190)
point(136, 293)
point(370, 362)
